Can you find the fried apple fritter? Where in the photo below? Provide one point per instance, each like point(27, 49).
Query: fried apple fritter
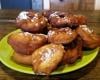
point(61, 36)
point(90, 39)
point(26, 43)
point(62, 19)
point(46, 58)
point(31, 21)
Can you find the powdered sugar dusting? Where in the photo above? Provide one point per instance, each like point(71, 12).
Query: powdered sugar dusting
point(23, 15)
point(85, 28)
point(47, 54)
point(27, 33)
point(51, 32)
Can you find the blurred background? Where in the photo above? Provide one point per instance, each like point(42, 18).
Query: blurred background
point(62, 5)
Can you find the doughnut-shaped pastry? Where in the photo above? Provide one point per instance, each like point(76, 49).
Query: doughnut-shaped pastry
point(58, 19)
point(74, 21)
point(22, 59)
point(61, 36)
point(46, 58)
point(61, 19)
point(25, 42)
point(90, 39)
point(31, 22)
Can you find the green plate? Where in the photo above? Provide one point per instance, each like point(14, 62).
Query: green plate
point(6, 51)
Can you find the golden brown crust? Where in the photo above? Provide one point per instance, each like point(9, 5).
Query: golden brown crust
point(22, 59)
point(61, 19)
point(58, 19)
point(25, 42)
point(91, 40)
point(31, 21)
point(46, 58)
point(73, 53)
point(61, 36)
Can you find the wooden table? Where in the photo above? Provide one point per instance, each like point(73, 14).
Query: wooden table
point(89, 72)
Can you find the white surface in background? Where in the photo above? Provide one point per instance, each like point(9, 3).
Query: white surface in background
point(97, 4)
point(0, 4)
point(46, 4)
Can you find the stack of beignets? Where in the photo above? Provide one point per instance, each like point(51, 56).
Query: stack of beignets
point(65, 36)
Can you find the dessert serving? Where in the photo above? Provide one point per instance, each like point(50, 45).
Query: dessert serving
point(31, 21)
point(50, 39)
